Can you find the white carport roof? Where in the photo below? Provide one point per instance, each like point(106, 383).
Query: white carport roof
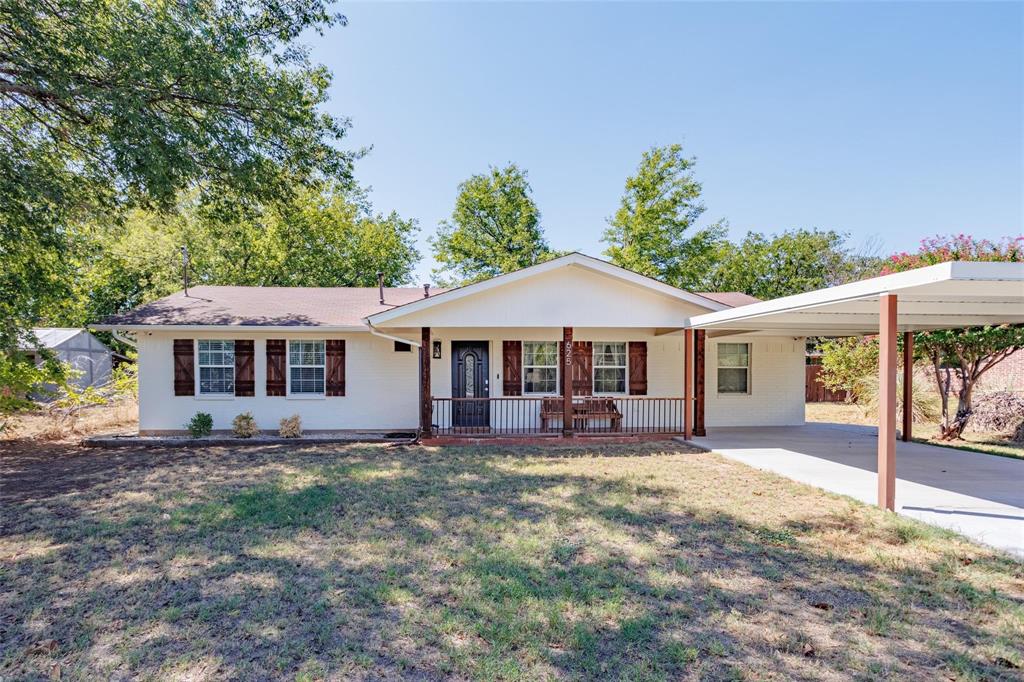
point(944, 296)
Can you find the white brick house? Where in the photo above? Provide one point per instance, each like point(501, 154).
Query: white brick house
point(512, 354)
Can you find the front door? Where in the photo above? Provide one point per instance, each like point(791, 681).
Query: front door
point(469, 380)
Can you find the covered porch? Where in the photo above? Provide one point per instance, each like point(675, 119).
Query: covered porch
point(571, 346)
point(567, 381)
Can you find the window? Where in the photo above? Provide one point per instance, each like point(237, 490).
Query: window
point(216, 367)
point(609, 367)
point(734, 368)
point(306, 367)
point(402, 347)
point(540, 367)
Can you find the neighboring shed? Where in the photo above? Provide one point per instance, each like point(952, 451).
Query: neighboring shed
point(77, 347)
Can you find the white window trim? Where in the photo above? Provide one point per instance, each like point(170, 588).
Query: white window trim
point(197, 394)
point(750, 371)
point(522, 364)
point(288, 373)
point(593, 369)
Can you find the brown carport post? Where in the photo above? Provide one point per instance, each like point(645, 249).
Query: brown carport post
point(887, 369)
point(908, 386)
point(687, 384)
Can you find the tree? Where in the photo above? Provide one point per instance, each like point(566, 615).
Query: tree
point(495, 228)
point(319, 239)
point(654, 230)
point(314, 238)
point(109, 104)
point(846, 361)
point(789, 263)
point(967, 353)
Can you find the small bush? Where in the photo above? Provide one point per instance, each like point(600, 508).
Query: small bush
point(200, 425)
point(925, 403)
point(291, 427)
point(244, 426)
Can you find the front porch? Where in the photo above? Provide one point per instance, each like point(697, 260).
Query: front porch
point(560, 382)
point(545, 416)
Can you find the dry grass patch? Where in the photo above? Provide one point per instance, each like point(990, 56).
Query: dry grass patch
point(637, 561)
point(979, 441)
point(117, 417)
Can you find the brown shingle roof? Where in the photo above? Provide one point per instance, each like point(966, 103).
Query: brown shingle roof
point(293, 306)
point(733, 299)
point(268, 306)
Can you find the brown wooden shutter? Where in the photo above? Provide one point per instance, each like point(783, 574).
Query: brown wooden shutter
point(276, 367)
point(335, 367)
point(512, 367)
point(638, 368)
point(184, 367)
point(582, 368)
point(245, 367)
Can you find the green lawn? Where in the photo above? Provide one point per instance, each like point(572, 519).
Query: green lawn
point(615, 562)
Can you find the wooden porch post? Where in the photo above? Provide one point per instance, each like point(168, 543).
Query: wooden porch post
point(567, 381)
point(688, 384)
point(908, 386)
point(887, 368)
point(426, 402)
point(698, 361)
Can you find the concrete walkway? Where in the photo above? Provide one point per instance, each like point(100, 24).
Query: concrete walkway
point(981, 496)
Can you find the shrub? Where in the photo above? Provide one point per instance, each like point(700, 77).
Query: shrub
point(846, 361)
point(244, 426)
point(291, 427)
point(200, 425)
point(924, 403)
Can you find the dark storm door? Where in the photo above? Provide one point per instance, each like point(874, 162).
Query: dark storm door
point(469, 380)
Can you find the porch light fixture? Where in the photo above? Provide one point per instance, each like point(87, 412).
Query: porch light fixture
point(437, 350)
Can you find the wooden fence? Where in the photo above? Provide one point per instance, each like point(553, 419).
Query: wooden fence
point(816, 393)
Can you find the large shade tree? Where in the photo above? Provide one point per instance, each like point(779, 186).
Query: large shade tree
point(316, 238)
point(105, 104)
point(655, 231)
point(494, 228)
point(795, 261)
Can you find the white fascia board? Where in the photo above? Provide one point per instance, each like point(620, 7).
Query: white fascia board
point(868, 288)
point(224, 327)
point(377, 319)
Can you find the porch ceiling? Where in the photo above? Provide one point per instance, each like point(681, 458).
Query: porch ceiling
point(943, 296)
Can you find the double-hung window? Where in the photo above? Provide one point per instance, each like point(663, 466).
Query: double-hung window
point(609, 367)
point(307, 361)
point(734, 368)
point(216, 367)
point(540, 367)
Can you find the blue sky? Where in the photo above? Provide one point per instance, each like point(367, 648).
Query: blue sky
point(892, 122)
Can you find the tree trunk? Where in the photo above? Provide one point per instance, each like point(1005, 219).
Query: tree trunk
point(943, 387)
point(953, 430)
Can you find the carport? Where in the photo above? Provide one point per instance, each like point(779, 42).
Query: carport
point(944, 296)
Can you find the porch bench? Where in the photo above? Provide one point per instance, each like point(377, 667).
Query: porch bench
point(583, 413)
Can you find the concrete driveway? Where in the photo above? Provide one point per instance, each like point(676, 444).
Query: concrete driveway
point(981, 496)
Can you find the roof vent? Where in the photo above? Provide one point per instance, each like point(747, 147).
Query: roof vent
point(380, 286)
point(426, 290)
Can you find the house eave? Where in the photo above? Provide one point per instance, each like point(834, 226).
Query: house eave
point(227, 327)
